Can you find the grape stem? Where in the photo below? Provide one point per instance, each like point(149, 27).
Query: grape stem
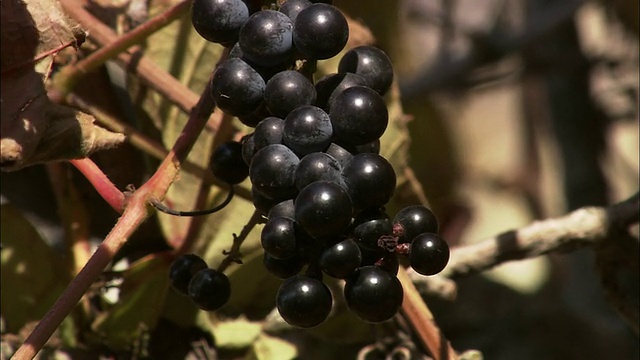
point(163, 208)
point(233, 255)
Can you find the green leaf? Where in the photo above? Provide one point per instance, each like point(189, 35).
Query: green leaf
point(32, 275)
point(236, 334)
point(141, 302)
point(272, 348)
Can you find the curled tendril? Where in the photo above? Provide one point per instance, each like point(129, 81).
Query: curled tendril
point(163, 208)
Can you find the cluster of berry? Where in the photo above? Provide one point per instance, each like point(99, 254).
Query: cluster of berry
point(313, 159)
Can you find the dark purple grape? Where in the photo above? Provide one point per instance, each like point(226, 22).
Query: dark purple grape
point(292, 8)
point(429, 254)
point(236, 87)
point(415, 220)
point(303, 301)
point(227, 164)
point(182, 270)
point(318, 166)
point(278, 237)
point(341, 259)
point(359, 115)
point(373, 294)
point(370, 226)
point(268, 131)
point(323, 208)
point(272, 171)
point(339, 153)
point(331, 85)
point(288, 90)
point(320, 31)
point(370, 180)
point(307, 129)
point(372, 64)
point(219, 21)
point(248, 148)
point(266, 38)
point(261, 202)
point(282, 269)
point(209, 289)
point(283, 209)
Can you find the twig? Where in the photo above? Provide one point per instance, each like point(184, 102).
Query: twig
point(136, 211)
point(67, 78)
point(421, 319)
point(233, 255)
point(109, 192)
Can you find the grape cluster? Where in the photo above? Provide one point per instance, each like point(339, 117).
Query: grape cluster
point(313, 157)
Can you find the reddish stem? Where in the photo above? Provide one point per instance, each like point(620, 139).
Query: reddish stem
point(101, 183)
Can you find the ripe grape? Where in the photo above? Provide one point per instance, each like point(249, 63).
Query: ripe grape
point(304, 301)
point(320, 31)
point(373, 294)
point(341, 259)
point(307, 129)
point(209, 289)
point(278, 237)
point(227, 164)
point(288, 90)
point(283, 209)
point(372, 64)
point(429, 254)
point(266, 38)
point(413, 221)
point(370, 180)
point(182, 270)
point(331, 85)
point(323, 208)
point(370, 226)
point(236, 87)
point(292, 8)
point(219, 21)
point(282, 269)
point(268, 131)
point(272, 171)
point(359, 115)
point(317, 166)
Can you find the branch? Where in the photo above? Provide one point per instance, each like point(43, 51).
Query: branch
point(101, 183)
point(136, 212)
point(67, 78)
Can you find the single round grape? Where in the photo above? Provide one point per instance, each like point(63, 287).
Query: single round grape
point(307, 129)
point(227, 164)
point(278, 238)
point(371, 147)
point(209, 289)
point(323, 208)
point(282, 269)
point(268, 131)
point(372, 64)
point(219, 21)
point(415, 220)
point(292, 8)
point(282, 209)
point(266, 38)
point(320, 31)
point(303, 301)
point(370, 180)
point(429, 254)
point(288, 90)
point(317, 166)
point(261, 202)
point(341, 259)
point(236, 87)
point(359, 115)
point(182, 270)
point(339, 153)
point(272, 171)
point(331, 85)
point(373, 294)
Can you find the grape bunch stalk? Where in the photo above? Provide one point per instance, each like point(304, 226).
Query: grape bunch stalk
point(313, 162)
